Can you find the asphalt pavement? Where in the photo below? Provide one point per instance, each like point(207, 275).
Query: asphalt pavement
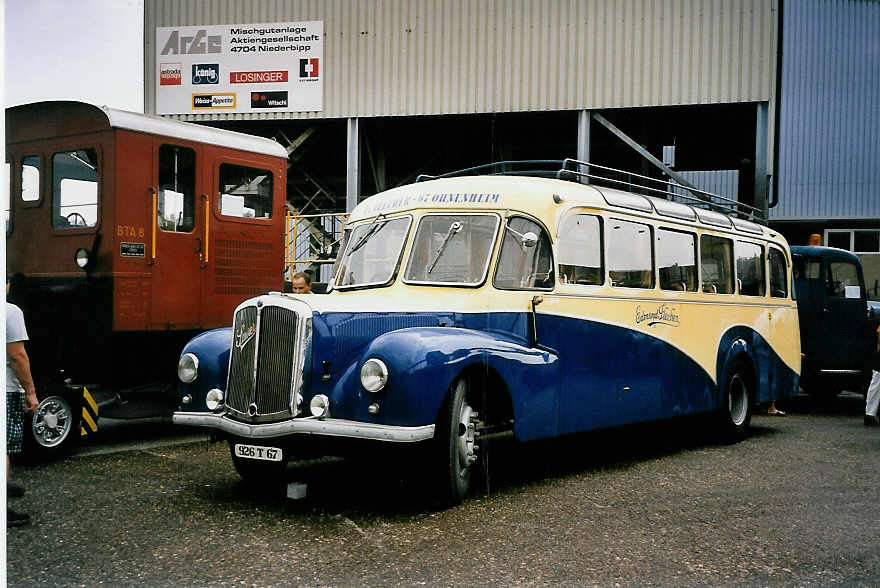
point(794, 504)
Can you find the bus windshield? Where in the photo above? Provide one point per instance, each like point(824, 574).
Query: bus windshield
point(373, 253)
point(452, 249)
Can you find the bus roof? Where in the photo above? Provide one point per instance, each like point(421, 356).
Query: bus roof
point(541, 197)
point(35, 121)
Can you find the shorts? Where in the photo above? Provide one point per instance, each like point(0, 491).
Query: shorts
point(14, 420)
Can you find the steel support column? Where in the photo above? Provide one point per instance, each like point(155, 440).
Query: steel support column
point(353, 170)
point(761, 130)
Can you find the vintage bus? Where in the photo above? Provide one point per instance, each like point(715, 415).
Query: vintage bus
point(126, 235)
point(465, 306)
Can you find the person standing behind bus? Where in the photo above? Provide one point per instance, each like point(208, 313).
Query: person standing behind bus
point(302, 283)
point(872, 399)
point(20, 396)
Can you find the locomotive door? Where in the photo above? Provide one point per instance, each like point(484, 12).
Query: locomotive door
point(178, 247)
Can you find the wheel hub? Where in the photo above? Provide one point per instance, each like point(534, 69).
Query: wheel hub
point(467, 428)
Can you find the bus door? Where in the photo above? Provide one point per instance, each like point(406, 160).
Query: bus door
point(178, 245)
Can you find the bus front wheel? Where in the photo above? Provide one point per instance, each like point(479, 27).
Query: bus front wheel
point(456, 445)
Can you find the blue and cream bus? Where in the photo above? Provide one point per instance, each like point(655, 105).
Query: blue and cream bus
point(469, 305)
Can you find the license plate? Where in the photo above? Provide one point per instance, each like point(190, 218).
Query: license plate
point(257, 452)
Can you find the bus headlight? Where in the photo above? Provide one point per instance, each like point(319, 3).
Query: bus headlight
point(374, 375)
point(320, 406)
point(214, 399)
point(188, 368)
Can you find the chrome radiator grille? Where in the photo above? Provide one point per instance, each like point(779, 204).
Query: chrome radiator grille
point(267, 361)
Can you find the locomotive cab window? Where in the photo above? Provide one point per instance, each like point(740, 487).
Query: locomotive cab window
point(75, 189)
point(30, 178)
point(245, 192)
point(177, 189)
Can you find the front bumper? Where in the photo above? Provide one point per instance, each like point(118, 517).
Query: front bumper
point(309, 426)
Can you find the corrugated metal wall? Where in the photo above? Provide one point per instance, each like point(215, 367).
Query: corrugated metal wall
point(829, 151)
point(416, 57)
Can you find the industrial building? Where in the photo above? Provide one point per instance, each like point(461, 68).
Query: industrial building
point(774, 103)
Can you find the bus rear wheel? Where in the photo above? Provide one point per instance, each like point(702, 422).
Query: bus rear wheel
point(736, 409)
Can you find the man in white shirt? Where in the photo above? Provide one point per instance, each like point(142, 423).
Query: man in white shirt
point(20, 396)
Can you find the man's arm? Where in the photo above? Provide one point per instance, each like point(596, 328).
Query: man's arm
point(21, 365)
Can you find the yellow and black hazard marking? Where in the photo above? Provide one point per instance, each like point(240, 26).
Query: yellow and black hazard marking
point(89, 422)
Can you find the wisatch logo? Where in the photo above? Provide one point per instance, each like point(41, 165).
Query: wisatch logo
point(199, 44)
point(269, 100)
point(170, 74)
point(219, 101)
point(205, 73)
point(308, 68)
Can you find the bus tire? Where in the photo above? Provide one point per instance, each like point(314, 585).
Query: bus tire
point(53, 429)
point(254, 471)
point(738, 397)
point(455, 436)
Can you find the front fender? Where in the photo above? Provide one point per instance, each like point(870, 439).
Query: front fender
point(423, 362)
point(212, 350)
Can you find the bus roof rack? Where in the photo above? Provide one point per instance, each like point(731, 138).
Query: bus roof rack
point(582, 171)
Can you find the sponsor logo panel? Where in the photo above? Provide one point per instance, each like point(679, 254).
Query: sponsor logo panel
point(269, 99)
point(308, 68)
point(205, 73)
point(170, 74)
point(216, 101)
point(257, 77)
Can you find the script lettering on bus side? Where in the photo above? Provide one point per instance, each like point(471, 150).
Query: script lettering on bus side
point(462, 199)
point(664, 314)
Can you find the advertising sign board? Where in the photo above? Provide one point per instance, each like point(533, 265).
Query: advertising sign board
point(268, 67)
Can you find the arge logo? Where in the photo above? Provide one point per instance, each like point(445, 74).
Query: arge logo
point(308, 68)
point(205, 73)
point(200, 44)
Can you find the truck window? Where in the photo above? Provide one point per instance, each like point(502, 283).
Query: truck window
point(523, 263)
point(245, 192)
point(580, 250)
point(177, 189)
point(75, 189)
point(840, 275)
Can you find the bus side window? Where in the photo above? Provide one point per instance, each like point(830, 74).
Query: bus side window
point(580, 250)
point(750, 268)
point(245, 192)
point(75, 189)
point(778, 274)
point(177, 189)
point(677, 260)
point(716, 264)
point(522, 265)
point(628, 246)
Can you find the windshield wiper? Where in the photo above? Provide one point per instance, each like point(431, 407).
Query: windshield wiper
point(453, 229)
point(371, 230)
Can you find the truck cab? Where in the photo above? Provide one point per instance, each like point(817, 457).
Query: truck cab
point(835, 323)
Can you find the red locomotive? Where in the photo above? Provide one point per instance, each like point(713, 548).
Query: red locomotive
point(126, 235)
